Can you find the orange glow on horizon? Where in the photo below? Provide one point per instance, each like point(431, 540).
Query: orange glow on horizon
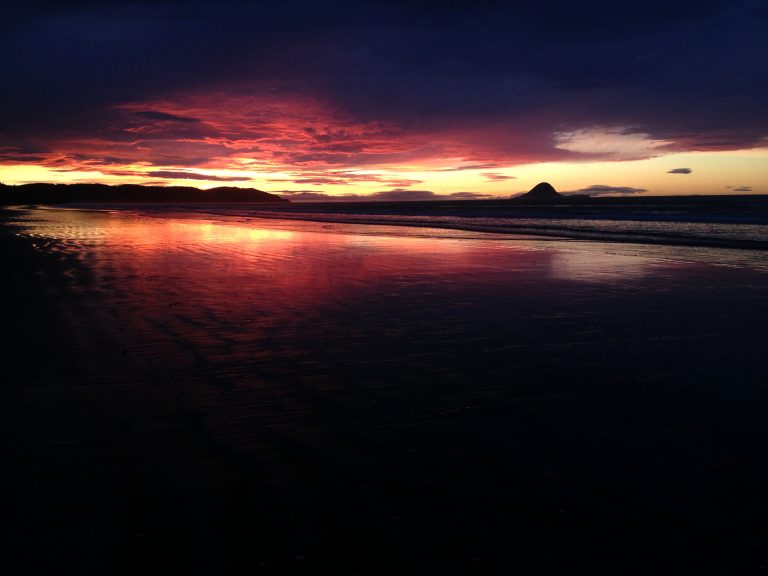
point(294, 145)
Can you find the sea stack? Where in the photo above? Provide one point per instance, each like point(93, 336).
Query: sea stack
point(543, 191)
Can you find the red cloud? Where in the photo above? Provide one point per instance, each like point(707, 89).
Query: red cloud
point(314, 142)
point(303, 136)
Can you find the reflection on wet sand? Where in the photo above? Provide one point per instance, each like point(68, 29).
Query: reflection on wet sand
point(307, 294)
point(597, 266)
point(363, 396)
point(340, 251)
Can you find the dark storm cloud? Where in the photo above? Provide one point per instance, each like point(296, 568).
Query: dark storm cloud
point(691, 72)
point(679, 171)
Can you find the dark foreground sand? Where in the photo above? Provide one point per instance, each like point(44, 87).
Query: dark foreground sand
point(305, 399)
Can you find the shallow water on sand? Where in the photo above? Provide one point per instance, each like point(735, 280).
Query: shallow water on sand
point(726, 222)
point(412, 393)
point(231, 290)
point(388, 307)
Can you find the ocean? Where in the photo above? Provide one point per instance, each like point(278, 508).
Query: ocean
point(738, 224)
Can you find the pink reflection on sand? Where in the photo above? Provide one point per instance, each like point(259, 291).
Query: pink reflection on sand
point(228, 293)
point(313, 259)
point(158, 261)
point(272, 269)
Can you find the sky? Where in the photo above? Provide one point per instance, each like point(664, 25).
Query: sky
point(388, 100)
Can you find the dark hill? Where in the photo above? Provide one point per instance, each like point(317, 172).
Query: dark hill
point(542, 191)
point(65, 193)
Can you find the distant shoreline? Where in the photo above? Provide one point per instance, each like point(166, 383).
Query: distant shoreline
point(47, 193)
point(735, 225)
point(127, 193)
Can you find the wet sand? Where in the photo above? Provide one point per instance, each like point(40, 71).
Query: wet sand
point(296, 397)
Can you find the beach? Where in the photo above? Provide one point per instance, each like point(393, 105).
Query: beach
point(271, 395)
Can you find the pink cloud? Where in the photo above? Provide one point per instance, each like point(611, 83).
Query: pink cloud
point(299, 135)
point(315, 142)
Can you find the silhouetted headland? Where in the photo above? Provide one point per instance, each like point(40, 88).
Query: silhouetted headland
point(66, 193)
point(545, 193)
point(542, 191)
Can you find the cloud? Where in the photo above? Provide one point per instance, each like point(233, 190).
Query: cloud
point(679, 171)
point(493, 176)
point(468, 195)
point(380, 83)
point(177, 174)
point(342, 178)
point(404, 183)
point(319, 181)
point(21, 159)
point(311, 196)
point(22, 154)
point(470, 167)
point(395, 195)
point(163, 116)
point(402, 194)
point(602, 190)
point(740, 188)
point(614, 143)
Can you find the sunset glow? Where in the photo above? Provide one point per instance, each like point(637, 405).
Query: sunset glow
point(359, 119)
